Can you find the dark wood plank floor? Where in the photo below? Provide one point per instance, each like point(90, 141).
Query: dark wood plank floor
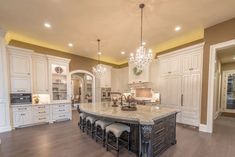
point(66, 140)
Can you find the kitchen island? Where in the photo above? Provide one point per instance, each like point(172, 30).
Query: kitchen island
point(153, 128)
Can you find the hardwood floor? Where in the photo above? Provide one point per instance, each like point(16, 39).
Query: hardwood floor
point(65, 139)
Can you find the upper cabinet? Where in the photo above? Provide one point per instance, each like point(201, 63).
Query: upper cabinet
point(170, 66)
point(138, 76)
point(120, 80)
point(20, 64)
point(191, 62)
point(40, 74)
point(59, 79)
point(105, 80)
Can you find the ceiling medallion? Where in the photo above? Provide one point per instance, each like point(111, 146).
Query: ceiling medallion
point(99, 69)
point(142, 57)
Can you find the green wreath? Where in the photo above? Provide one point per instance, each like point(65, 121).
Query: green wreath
point(137, 71)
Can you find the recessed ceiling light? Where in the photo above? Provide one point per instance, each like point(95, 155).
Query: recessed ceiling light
point(143, 43)
point(47, 25)
point(70, 45)
point(99, 53)
point(234, 57)
point(123, 52)
point(177, 28)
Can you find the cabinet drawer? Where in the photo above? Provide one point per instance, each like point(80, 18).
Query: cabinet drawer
point(59, 116)
point(61, 108)
point(37, 110)
point(19, 109)
point(40, 119)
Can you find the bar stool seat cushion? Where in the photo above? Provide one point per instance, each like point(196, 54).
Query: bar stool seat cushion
point(117, 129)
point(102, 124)
point(82, 115)
point(91, 119)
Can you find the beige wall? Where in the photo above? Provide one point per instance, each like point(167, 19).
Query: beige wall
point(213, 35)
point(77, 62)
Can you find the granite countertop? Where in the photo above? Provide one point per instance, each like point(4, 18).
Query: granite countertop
point(144, 114)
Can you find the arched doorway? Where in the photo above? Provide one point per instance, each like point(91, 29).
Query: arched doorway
point(82, 86)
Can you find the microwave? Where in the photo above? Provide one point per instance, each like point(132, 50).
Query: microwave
point(21, 98)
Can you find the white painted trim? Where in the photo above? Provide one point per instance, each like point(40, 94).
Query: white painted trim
point(5, 128)
point(210, 101)
point(93, 80)
point(203, 128)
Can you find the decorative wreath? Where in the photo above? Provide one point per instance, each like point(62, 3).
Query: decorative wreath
point(137, 71)
point(58, 70)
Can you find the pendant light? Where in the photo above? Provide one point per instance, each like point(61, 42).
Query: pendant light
point(99, 69)
point(142, 57)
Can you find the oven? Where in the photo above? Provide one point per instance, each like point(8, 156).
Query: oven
point(21, 98)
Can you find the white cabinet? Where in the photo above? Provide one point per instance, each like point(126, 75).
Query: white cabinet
point(191, 62)
point(170, 89)
point(40, 74)
point(61, 112)
point(120, 80)
point(138, 75)
point(20, 84)
point(105, 80)
point(170, 66)
point(20, 64)
point(41, 113)
point(22, 116)
point(59, 79)
point(180, 82)
point(25, 115)
point(190, 99)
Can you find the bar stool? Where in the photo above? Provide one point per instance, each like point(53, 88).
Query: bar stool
point(90, 125)
point(82, 123)
point(100, 130)
point(114, 136)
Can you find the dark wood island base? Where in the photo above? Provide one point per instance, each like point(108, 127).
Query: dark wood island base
point(148, 138)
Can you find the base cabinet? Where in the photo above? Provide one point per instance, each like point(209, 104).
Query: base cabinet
point(61, 112)
point(35, 114)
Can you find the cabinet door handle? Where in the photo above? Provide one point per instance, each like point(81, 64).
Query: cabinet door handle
point(182, 100)
point(190, 69)
point(42, 112)
point(28, 73)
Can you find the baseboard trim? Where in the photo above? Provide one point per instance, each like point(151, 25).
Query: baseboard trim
point(204, 128)
point(5, 129)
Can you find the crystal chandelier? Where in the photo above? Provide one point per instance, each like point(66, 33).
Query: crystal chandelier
point(99, 69)
point(142, 57)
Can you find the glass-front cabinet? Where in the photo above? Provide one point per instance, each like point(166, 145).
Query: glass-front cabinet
point(59, 82)
point(229, 91)
point(59, 79)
